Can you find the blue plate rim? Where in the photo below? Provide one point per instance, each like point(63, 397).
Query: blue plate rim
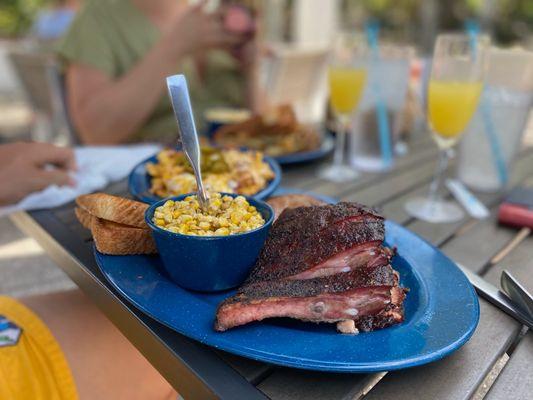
point(326, 147)
point(150, 199)
point(288, 361)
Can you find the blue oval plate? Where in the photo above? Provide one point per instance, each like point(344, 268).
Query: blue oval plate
point(441, 314)
point(139, 182)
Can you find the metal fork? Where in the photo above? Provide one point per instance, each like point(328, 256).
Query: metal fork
point(181, 103)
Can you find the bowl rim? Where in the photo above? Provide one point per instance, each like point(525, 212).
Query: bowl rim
point(151, 209)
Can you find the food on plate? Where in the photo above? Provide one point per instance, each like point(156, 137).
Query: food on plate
point(280, 203)
point(120, 239)
point(84, 217)
point(223, 115)
point(321, 264)
point(114, 208)
point(229, 171)
point(275, 133)
point(117, 224)
point(225, 215)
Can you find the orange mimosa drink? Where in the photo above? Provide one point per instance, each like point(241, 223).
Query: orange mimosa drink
point(451, 106)
point(345, 85)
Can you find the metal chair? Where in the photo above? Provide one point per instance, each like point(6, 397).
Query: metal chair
point(41, 80)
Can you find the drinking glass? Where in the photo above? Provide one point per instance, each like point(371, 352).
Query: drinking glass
point(455, 85)
point(387, 83)
point(498, 126)
point(346, 80)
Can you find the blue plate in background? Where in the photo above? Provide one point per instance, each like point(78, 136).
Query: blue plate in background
point(441, 314)
point(139, 182)
point(282, 191)
point(328, 144)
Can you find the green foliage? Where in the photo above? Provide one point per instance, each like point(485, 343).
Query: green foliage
point(508, 21)
point(16, 16)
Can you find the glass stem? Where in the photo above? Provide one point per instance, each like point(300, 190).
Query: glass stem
point(436, 183)
point(340, 142)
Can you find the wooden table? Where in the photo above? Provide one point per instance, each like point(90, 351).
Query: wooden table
point(499, 354)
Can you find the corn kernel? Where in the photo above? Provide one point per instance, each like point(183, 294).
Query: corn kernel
point(225, 216)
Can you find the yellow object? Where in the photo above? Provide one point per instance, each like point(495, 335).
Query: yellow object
point(452, 105)
point(247, 173)
point(35, 367)
point(345, 87)
point(113, 36)
point(225, 216)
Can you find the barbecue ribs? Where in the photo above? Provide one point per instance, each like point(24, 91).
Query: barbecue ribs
point(321, 264)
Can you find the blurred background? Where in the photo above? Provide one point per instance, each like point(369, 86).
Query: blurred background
point(30, 89)
point(296, 38)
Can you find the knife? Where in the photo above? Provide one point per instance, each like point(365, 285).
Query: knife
point(493, 295)
point(516, 292)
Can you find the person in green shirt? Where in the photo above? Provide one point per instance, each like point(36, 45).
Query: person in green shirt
point(118, 53)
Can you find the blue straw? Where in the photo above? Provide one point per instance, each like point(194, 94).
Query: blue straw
point(494, 141)
point(372, 32)
point(472, 27)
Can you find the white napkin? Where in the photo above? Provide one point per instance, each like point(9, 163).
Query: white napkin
point(98, 166)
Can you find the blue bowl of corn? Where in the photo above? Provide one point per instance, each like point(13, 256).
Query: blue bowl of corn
point(209, 250)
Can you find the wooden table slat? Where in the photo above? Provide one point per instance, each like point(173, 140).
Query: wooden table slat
point(388, 187)
point(66, 214)
point(293, 384)
point(519, 262)
point(516, 380)
point(479, 244)
point(439, 233)
point(252, 370)
point(395, 209)
point(457, 376)
point(298, 176)
point(79, 230)
point(425, 156)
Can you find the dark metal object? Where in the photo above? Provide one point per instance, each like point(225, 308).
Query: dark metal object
point(491, 293)
point(517, 293)
point(181, 103)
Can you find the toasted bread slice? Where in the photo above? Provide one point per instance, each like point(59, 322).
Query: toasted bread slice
point(280, 203)
point(113, 208)
point(118, 239)
point(84, 217)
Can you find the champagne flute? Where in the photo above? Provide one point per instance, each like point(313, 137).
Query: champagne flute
point(346, 79)
point(455, 85)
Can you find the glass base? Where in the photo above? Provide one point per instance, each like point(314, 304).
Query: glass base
point(338, 173)
point(370, 164)
point(436, 212)
point(401, 149)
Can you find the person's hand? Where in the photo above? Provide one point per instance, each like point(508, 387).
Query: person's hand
point(249, 50)
point(247, 54)
point(29, 167)
point(195, 30)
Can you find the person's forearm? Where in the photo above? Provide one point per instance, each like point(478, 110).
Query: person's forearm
point(111, 114)
point(255, 96)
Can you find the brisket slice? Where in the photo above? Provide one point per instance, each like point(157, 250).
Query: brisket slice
point(369, 296)
point(306, 237)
